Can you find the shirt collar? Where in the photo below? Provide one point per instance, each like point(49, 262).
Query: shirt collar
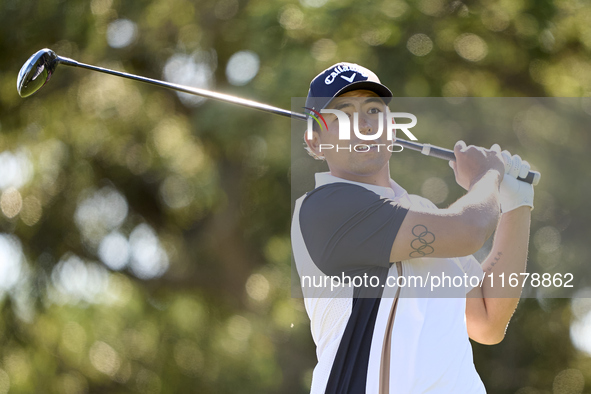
point(394, 192)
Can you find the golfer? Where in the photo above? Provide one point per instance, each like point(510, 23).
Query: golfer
point(358, 235)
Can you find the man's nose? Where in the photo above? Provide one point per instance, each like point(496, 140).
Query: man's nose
point(364, 125)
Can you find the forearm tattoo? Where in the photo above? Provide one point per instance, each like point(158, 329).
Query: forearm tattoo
point(495, 261)
point(421, 245)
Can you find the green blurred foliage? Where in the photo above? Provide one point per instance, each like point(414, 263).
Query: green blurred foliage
point(207, 187)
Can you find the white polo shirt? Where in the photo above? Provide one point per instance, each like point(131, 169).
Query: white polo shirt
point(344, 228)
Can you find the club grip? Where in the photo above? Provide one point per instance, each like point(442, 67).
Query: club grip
point(533, 177)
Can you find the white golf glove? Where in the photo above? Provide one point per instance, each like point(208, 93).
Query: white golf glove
point(514, 193)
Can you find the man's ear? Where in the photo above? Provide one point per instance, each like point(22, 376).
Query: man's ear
point(314, 145)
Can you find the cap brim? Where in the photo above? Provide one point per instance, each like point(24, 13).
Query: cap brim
point(377, 88)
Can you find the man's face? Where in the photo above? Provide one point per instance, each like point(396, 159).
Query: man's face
point(363, 162)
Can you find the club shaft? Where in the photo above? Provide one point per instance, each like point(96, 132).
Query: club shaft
point(186, 89)
point(426, 149)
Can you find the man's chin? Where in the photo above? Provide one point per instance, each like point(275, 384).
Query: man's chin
point(371, 163)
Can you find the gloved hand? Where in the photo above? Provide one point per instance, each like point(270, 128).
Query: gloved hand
point(514, 193)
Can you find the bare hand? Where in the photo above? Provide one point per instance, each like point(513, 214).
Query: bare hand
point(472, 162)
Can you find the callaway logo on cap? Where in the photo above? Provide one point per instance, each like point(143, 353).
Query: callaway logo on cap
point(342, 78)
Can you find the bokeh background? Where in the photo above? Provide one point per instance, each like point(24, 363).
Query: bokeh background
point(144, 235)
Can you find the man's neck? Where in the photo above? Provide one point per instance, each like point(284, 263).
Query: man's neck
point(381, 178)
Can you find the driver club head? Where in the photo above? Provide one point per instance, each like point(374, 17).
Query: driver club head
point(36, 72)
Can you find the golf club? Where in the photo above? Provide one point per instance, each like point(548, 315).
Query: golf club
point(37, 71)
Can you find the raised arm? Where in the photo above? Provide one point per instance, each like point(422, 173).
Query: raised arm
point(489, 308)
point(462, 228)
